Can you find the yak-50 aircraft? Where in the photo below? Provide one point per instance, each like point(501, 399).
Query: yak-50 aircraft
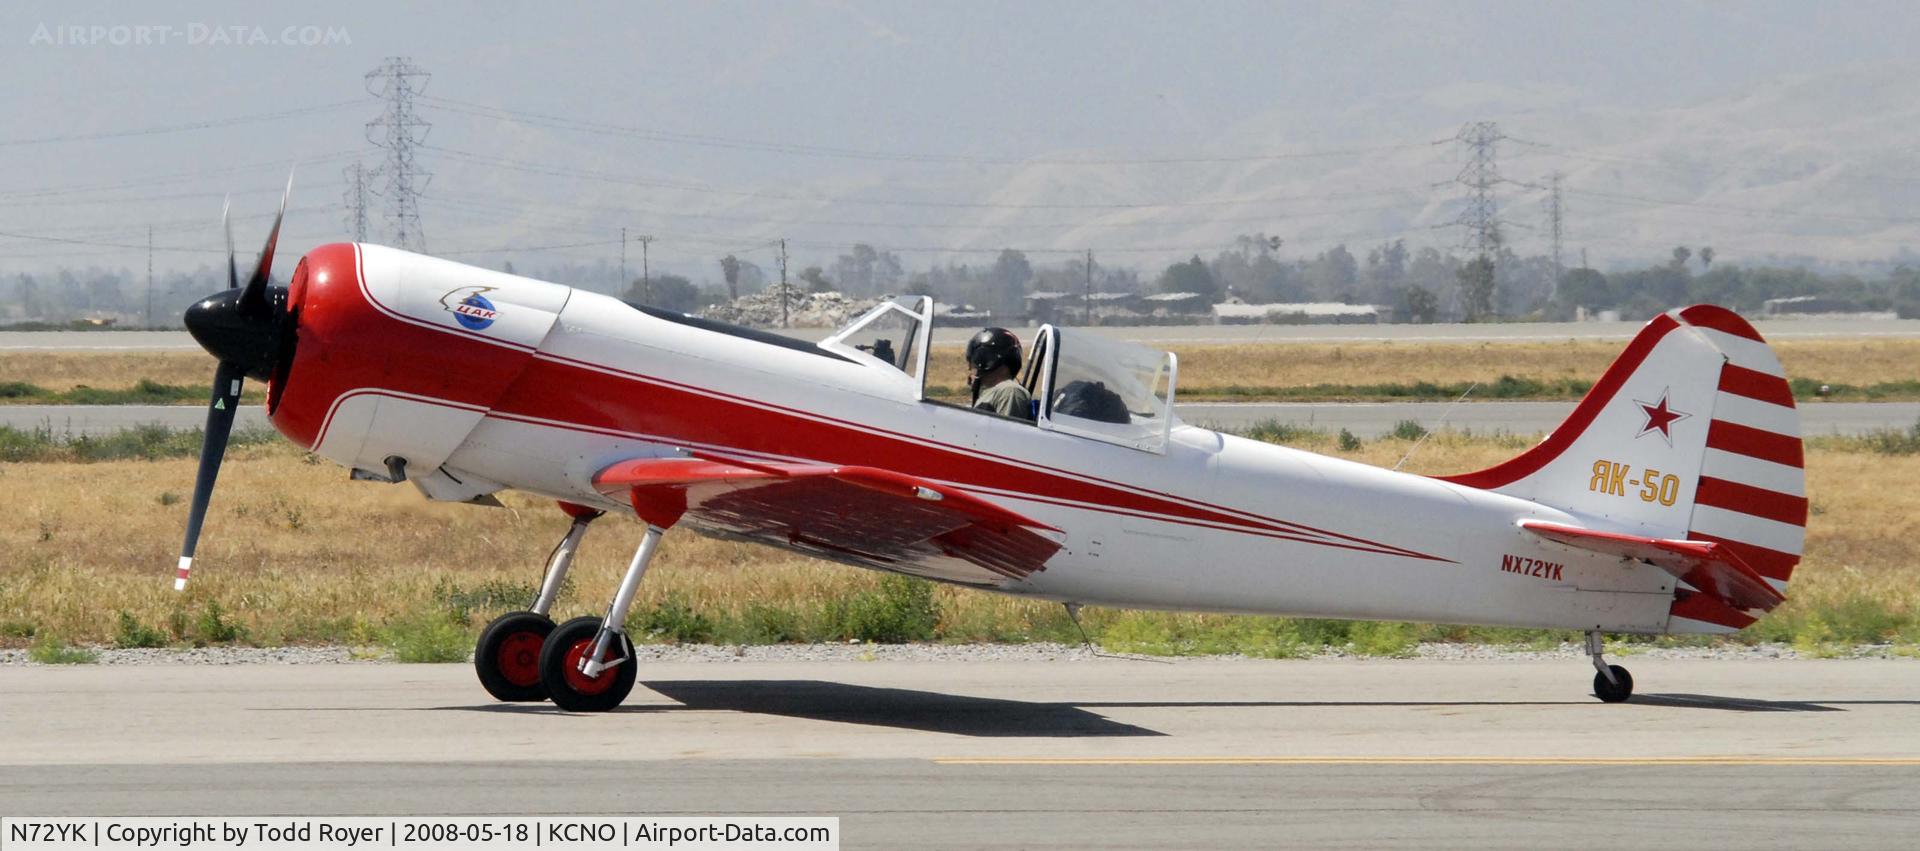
point(1671, 501)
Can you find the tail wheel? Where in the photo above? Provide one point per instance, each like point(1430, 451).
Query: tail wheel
point(508, 656)
point(573, 691)
point(1610, 692)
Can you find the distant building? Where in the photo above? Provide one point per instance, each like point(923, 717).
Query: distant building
point(1164, 304)
point(1301, 313)
point(1071, 308)
point(962, 314)
point(1825, 307)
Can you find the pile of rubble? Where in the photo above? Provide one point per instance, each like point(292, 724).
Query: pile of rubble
point(804, 310)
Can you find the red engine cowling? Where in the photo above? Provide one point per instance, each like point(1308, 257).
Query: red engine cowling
point(399, 355)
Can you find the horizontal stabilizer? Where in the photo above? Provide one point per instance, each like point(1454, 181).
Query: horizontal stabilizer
point(1712, 568)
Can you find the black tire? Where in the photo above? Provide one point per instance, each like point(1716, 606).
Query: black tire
point(1610, 693)
point(565, 685)
point(507, 658)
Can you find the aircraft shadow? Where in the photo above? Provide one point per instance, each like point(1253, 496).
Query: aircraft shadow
point(910, 709)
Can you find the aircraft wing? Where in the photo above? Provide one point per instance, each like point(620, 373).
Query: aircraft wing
point(865, 515)
point(1712, 568)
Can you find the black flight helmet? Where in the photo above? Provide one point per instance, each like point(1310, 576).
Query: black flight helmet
point(992, 347)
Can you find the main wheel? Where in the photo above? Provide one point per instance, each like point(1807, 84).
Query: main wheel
point(508, 656)
point(560, 669)
point(1609, 692)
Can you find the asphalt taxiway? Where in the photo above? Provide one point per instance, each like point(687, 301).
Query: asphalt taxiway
point(1072, 754)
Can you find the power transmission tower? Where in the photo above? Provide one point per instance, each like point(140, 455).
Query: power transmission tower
point(1556, 227)
point(400, 130)
point(149, 276)
point(1480, 174)
point(356, 198)
point(785, 296)
point(646, 279)
point(1481, 215)
point(1088, 310)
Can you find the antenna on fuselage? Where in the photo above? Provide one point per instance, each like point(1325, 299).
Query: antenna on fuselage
point(1426, 433)
point(1073, 613)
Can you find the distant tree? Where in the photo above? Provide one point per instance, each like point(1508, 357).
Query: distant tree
point(670, 292)
point(1333, 274)
point(1008, 280)
point(730, 269)
point(508, 268)
point(1476, 288)
point(1420, 304)
point(1584, 288)
point(1192, 276)
point(1680, 256)
point(816, 279)
point(1706, 257)
point(868, 271)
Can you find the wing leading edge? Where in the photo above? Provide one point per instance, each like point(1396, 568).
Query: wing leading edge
point(867, 515)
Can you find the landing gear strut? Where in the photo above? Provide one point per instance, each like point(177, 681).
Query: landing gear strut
point(507, 659)
point(587, 663)
point(1612, 684)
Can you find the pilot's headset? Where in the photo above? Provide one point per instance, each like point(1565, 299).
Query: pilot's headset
point(988, 349)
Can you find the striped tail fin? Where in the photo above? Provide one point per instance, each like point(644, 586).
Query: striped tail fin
point(1691, 435)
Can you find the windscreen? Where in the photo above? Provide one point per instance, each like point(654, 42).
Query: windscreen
point(1105, 387)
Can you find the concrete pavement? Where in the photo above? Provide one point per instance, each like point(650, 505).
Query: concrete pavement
point(1096, 753)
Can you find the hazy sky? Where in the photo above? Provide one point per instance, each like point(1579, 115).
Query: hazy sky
point(972, 80)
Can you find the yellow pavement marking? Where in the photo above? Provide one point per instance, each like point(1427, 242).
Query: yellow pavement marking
point(1430, 760)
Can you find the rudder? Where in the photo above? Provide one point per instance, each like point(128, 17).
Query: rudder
point(1692, 434)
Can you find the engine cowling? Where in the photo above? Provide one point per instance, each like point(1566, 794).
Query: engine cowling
point(399, 355)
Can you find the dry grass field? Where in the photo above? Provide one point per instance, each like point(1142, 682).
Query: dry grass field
point(293, 552)
point(1298, 371)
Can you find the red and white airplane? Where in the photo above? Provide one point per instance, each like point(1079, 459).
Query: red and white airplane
point(1671, 501)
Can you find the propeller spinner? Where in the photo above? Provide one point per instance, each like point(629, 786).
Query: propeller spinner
point(246, 328)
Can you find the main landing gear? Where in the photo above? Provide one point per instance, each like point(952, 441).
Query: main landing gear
point(508, 655)
point(1612, 684)
point(587, 664)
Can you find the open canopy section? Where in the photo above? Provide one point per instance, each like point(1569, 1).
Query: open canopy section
point(894, 334)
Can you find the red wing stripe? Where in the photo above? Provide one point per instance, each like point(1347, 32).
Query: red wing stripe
point(1748, 499)
point(1769, 563)
point(1703, 607)
point(1754, 384)
point(1755, 443)
point(1720, 319)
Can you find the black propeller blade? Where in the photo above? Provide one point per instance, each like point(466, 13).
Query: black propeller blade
point(226, 398)
point(241, 328)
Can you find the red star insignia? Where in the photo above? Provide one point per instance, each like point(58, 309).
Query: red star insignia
point(1660, 418)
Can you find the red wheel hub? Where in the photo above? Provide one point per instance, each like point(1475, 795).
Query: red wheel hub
point(579, 682)
point(519, 658)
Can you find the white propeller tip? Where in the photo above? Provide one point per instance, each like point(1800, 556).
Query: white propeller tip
point(180, 575)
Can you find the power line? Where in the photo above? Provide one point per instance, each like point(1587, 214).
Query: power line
point(177, 177)
point(463, 199)
point(549, 121)
point(659, 183)
point(178, 128)
point(399, 131)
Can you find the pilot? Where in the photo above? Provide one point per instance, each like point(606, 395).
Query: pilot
point(993, 359)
